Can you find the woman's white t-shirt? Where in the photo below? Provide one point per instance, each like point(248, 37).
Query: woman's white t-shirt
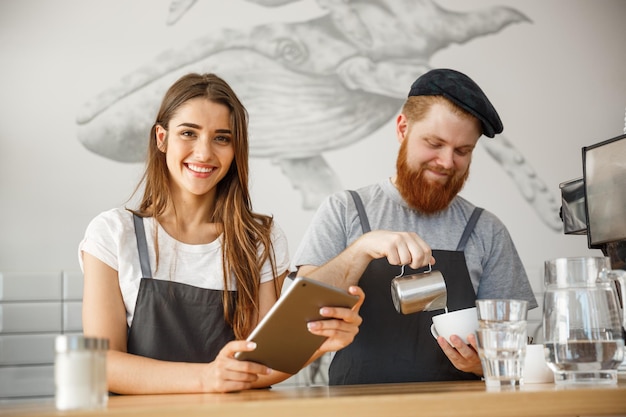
point(111, 238)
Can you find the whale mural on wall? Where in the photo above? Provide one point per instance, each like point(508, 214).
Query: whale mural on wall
point(310, 86)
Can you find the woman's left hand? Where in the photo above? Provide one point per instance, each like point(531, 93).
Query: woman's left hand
point(342, 324)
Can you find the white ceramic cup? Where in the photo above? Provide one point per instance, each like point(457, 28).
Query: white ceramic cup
point(536, 370)
point(459, 322)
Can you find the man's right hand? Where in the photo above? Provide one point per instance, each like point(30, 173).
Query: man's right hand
point(400, 248)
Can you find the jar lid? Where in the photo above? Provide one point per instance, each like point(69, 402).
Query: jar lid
point(64, 343)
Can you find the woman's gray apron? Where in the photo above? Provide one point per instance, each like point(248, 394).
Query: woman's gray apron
point(174, 321)
point(392, 347)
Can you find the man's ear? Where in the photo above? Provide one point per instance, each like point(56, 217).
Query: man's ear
point(161, 136)
point(402, 127)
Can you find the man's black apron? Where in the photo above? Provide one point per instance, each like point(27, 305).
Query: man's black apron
point(390, 346)
point(174, 321)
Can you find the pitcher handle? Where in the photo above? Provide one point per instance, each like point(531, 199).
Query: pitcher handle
point(617, 278)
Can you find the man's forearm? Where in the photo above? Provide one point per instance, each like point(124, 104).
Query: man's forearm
point(342, 271)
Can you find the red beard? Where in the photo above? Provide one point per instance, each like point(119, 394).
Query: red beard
point(421, 194)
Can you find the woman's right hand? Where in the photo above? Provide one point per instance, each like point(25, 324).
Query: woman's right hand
point(227, 374)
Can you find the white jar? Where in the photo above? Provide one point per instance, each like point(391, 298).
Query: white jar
point(80, 372)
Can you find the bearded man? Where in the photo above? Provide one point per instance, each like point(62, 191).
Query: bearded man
point(407, 222)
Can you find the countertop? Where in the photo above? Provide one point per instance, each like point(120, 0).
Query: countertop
point(467, 398)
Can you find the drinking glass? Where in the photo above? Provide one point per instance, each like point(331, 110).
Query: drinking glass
point(501, 338)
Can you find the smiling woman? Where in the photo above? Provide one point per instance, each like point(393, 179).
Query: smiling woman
point(198, 146)
point(193, 263)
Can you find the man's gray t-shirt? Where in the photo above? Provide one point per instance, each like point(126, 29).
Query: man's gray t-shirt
point(494, 265)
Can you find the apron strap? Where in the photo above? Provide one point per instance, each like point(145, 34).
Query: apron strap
point(142, 247)
point(365, 224)
point(471, 223)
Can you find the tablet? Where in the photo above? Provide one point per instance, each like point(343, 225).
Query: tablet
point(283, 341)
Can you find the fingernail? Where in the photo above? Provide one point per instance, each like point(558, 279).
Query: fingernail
point(312, 325)
point(251, 345)
point(324, 311)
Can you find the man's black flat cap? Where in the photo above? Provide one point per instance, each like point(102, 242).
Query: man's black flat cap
point(462, 91)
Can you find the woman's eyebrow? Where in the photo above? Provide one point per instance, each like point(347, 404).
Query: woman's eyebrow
point(197, 126)
point(192, 125)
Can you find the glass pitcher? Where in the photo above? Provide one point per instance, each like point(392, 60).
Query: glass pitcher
point(582, 321)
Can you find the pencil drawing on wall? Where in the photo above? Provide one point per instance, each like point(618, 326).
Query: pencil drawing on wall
point(310, 86)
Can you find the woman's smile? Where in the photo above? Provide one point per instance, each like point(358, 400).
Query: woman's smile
point(199, 170)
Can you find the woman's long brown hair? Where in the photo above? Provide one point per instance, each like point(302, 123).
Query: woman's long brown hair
point(245, 232)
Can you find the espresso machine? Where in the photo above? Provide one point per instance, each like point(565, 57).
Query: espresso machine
point(595, 205)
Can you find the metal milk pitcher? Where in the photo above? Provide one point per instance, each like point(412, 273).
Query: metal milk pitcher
point(423, 291)
point(582, 321)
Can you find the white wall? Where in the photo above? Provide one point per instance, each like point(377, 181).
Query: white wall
point(558, 82)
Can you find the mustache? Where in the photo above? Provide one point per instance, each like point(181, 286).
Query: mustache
point(439, 170)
